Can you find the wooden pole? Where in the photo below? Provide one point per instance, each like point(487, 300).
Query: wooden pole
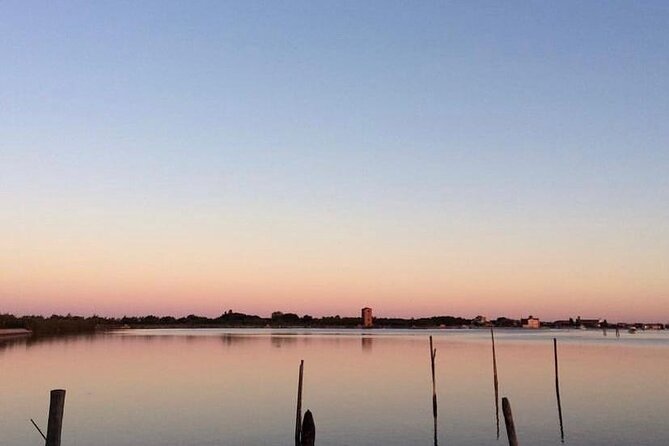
point(298, 415)
point(56, 409)
point(557, 389)
point(433, 355)
point(308, 430)
point(495, 381)
point(508, 421)
point(38, 429)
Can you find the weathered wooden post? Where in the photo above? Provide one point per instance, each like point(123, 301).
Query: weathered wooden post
point(298, 415)
point(557, 389)
point(308, 434)
point(508, 420)
point(495, 381)
point(56, 409)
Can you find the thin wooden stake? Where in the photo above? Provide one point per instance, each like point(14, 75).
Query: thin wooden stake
point(433, 355)
point(56, 409)
point(38, 429)
point(298, 415)
point(495, 381)
point(308, 430)
point(508, 421)
point(557, 389)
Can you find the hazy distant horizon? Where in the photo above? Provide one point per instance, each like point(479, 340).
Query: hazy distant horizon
point(267, 315)
point(421, 158)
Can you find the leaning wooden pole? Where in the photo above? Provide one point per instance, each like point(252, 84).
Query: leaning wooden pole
point(495, 381)
point(508, 421)
point(557, 389)
point(433, 355)
point(56, 409)
point(38, 429)
point(298, 415)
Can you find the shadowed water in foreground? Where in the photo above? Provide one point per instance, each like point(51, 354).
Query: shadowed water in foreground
point(373, 387)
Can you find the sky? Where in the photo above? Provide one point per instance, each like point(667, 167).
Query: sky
point(421, 158)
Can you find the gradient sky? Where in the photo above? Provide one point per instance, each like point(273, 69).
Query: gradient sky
point(417, 157)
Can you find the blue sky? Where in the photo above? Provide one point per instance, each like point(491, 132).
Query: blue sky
point(535, 123)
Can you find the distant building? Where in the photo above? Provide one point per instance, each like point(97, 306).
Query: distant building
point(530, 322)
point(589, 323)
point(563, 323)
point(367, 320)
point(654, 326)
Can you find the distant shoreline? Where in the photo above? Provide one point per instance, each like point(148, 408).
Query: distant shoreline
point(60, 325)
point(13, 332)
point(304, 327)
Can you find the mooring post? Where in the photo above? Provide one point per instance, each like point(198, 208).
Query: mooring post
point(308, 433)
point(298, 415)
point(557, 389)
point(56, 409)
point(508, 420)
point(495, 381)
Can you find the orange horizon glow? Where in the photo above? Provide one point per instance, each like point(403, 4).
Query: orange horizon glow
point(309, 268)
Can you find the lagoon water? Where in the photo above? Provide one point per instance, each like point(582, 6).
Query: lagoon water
point(372, 387)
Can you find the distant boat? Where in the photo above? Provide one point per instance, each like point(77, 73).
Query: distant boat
point(631, 330)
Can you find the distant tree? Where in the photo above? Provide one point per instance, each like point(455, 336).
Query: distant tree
point(192, 319)
point(150, 320)
point(505, 322)
point(289, 319)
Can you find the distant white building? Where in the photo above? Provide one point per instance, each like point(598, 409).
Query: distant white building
point(367, 320)
point(530, 322)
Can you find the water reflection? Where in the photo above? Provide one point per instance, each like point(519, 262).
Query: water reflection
point(29, 341)
point(281, 341)
point(366, 342)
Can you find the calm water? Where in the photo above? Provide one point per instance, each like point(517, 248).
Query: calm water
point(237, 387)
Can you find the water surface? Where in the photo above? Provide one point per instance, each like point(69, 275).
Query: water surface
point(372, 387)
